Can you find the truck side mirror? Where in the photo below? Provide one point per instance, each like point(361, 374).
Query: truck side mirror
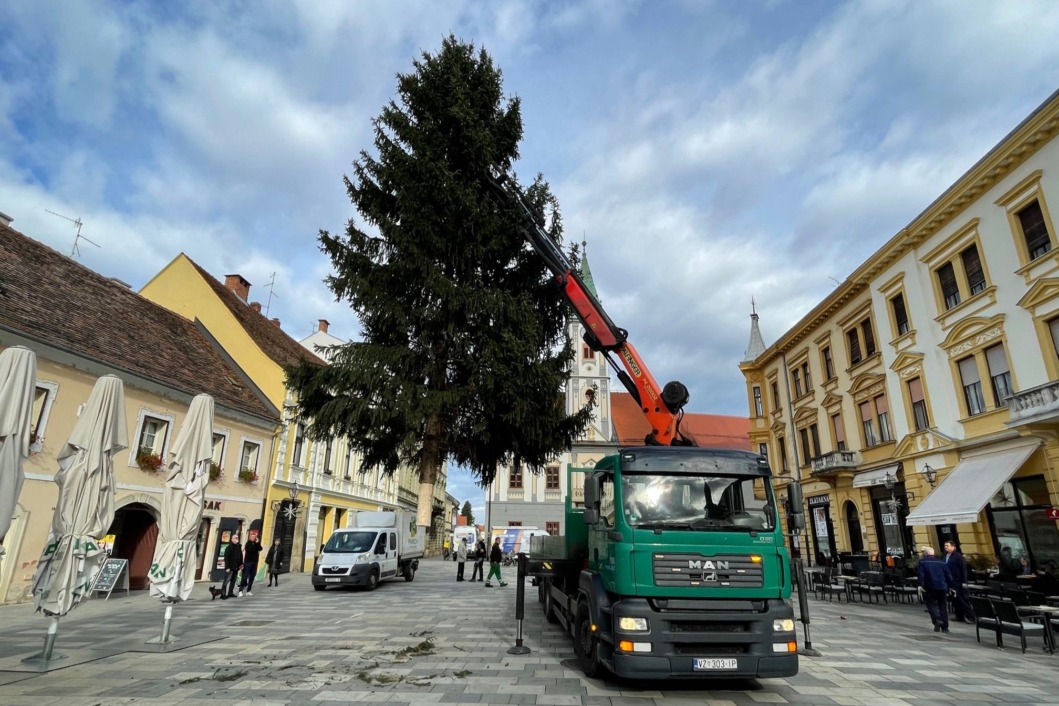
point(591, 516)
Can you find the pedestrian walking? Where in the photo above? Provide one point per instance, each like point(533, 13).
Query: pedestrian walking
point(273, 559)
point(461, 558)
point(960, 576)
point(935, 581)
point(251, 555)
point(233, 562)
point(496, 555)
point(479, 561)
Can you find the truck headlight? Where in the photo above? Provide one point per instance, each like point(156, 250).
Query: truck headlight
point(365, 558)
point(784, 625)
point(633, 624)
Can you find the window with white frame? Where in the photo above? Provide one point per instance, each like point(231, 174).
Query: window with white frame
point(882, 411)
point(919, 404)
point(154, 434)
point(299, 446)
point(249, 457)
point(763, 450)
point(897, 304)
point(839, 432)
point(43, 397)
point(758, 406)
point(999, 374)
point(972, 385)
point(868, 423)
point(806, 376)
point(1034, 230)
point(829, 364)
point(219, 443)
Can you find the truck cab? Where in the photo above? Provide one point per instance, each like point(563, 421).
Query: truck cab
point(381, 546)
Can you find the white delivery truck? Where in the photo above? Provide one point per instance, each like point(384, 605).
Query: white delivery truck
point(377, 546)
point(462, 532)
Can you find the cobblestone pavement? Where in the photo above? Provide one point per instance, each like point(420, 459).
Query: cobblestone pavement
point(437, 641)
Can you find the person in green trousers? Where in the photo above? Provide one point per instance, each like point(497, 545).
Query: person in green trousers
point(495, 557)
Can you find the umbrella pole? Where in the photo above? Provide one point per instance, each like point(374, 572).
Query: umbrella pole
point(167, 622)
point(47, 654)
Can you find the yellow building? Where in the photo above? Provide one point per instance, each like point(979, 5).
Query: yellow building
point(81, 326)
point(312, 486)
point(919, 402)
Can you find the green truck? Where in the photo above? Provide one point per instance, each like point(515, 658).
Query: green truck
point(674, 566)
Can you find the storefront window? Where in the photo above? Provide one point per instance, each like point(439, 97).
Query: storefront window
point(1021, 528)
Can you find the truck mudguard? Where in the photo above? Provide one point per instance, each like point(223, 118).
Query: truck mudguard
point(591, 585)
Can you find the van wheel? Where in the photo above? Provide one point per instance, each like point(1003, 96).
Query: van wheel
point(373, 580)
point(319, 587)
point(585, 646)
point(410, 573)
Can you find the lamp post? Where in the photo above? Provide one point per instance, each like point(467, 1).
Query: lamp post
point(931, 474)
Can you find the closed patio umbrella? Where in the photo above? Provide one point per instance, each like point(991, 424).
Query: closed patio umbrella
point(18, 379)
point(85, 508)
point(172, 573)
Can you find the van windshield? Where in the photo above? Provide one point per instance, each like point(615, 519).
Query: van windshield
point(350, 542)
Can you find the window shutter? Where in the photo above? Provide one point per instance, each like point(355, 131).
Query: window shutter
point(969, 371)
point(998, 362)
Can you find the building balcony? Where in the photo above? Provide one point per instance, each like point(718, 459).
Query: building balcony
point(835, 461)
point(1037, 404)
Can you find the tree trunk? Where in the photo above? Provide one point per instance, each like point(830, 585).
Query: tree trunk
point(428, 472)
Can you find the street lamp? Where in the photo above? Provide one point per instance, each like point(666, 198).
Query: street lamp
point(890, 481)
point(931, 474)
point(292, 507)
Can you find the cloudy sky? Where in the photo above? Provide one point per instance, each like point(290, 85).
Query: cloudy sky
point(709, 152)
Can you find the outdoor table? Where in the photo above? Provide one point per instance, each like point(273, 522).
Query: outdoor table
point(1046, 612)
point(848, 582)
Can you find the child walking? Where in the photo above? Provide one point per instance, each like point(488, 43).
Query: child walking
point(495, 557)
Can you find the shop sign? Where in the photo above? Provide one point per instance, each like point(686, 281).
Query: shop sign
point(1052, 513)
point(216, 505)
point(819, 500)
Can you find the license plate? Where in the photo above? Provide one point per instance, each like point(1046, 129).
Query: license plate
point(702, 665)
point(332, 580)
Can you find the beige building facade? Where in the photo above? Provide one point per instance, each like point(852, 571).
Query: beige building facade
point(918, 402)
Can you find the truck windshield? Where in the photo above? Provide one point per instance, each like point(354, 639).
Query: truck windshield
point(716, 502)
point(350, 542)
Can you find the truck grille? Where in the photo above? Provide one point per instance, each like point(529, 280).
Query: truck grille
point(706, 627)
point(681, 570)
point(333, 570)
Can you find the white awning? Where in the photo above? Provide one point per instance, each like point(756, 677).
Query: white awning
point(969, 486)
point(876, 477)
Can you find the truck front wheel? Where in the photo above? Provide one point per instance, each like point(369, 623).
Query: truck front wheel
point(585, 645)
point(373, 579)
point(409, 573)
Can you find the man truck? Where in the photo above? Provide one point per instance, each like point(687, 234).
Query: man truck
point(674, 566)
point(376, 547)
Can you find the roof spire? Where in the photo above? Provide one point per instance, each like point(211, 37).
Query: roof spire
point(586, 272)
point(757, 345)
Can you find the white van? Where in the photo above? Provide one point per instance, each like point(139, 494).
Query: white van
point(377, 547)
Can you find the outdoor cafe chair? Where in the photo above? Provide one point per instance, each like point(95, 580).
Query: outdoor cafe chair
point(831, 588)
point(872, 583)
point(900, 590)
point(985, 618)
point(1011, 623)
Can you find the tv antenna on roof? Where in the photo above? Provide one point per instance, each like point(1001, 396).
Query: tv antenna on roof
point(78, 237)
point(271, 292)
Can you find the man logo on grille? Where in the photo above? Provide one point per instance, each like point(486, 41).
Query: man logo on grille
point(699, 564)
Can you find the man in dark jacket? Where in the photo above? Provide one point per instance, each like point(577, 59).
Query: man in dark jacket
point(496, 555)
point(479, 561)
point(935, 581)
point(233, 561)
point(960, 576)
point(251, 554)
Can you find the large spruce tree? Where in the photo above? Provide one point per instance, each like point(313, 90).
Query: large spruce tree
point(464, 355)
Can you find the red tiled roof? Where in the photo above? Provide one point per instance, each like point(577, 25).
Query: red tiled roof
point(48, 297)
point(708, 430)
point(270, 338)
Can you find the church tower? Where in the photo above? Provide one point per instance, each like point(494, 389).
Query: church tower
point(589, 377)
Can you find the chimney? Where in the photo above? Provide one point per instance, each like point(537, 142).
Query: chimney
point(275, 322)
point(324, 323)
point(237, 284)
point(256, 306)
point(5, 220)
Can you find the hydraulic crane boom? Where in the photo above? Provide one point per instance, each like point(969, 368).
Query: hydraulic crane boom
point(661, 406)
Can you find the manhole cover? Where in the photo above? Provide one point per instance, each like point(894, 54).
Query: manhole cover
point(251, 623)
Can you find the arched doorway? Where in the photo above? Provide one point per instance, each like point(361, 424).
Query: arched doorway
point(135, 530)
point(856, 538)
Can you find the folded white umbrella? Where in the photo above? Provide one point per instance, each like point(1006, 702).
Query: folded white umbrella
point(85, 508)
point(18, 380)
point(172, 573)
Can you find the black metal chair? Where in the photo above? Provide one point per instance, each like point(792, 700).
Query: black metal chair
point(901, 590)
point(831, 588)
point(1011, 623)
point(985, 618)
point(872, 583)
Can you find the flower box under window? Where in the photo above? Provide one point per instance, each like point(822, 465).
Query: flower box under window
point(148, 460)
